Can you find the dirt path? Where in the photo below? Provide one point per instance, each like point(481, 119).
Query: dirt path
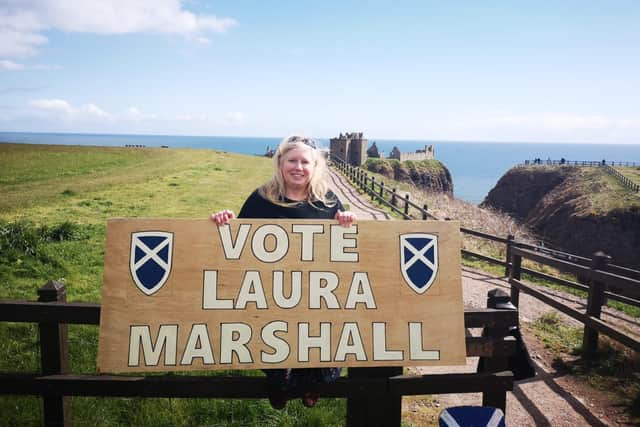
point(350, 196)
point(552, 398)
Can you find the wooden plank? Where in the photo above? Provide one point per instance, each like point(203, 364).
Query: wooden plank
point(52, 312)
point(242, 387)
point(628, 287)
point(276, 293)
point(491, 346)
point(593, 322)
point(483, 235)
point(451, 383)
point(89, 314)
point(489, 317)
point(483, 257)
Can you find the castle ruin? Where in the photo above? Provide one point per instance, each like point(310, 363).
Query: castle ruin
point(351, 147)
point(426, 154)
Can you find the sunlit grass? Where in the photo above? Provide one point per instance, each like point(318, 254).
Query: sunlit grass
point(53, 208)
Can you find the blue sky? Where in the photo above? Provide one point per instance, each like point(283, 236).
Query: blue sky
point(543, 71)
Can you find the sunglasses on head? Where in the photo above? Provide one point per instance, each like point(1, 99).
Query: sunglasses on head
point(303, 140)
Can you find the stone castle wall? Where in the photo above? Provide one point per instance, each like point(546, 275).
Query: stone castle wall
point(426, 154)
point(351, 147)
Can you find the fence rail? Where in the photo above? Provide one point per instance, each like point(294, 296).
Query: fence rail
point(585, 163)
point(624, 283)
point(598, 280)
point(622, 179)
point(373, 394)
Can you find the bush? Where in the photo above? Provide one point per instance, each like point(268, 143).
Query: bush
point(22, 238)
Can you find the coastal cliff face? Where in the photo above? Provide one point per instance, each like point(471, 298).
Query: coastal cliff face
point(429, 175)
point(566, 206)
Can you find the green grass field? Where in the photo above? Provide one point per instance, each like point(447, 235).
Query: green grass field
point(54, 201)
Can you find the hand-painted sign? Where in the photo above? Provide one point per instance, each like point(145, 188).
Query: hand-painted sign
point(188, 295)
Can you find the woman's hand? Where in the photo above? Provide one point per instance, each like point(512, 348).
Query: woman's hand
point(345, 218)
point(222, 217)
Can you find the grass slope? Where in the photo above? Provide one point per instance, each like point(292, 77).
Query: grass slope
point(54, 201)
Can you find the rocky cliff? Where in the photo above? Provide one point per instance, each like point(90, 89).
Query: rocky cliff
point(429, 175)
point(579, 210)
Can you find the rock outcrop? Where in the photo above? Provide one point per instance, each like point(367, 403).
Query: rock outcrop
point(557, 202)
point(429, 175)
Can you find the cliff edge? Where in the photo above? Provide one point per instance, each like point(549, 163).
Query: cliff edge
point(429, 175)
point(579, 210)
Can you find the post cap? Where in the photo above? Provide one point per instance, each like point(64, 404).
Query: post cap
point(52, 291)
point(499, 299)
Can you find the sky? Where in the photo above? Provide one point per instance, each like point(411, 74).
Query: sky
point(543, 71)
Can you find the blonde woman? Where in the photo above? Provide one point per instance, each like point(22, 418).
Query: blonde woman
point(297, 190)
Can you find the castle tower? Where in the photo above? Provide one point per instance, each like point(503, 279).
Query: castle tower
point(351, 147)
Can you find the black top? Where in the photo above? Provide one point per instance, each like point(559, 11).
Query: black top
point(257, 206)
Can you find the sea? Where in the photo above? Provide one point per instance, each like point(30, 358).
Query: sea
point(475, 166)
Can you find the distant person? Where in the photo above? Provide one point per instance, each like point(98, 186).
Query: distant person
point(298, 189)
point(562, 161)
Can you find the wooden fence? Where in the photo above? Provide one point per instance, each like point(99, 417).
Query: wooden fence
point(617, 283)
point(622, 179)
point(608, 168)
point(585, 163)
point(599, 280)
point(374, 395)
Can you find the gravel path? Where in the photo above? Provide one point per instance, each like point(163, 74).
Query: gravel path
point(358, 204)
point(551, 398)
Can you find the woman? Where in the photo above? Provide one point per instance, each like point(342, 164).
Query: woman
point(298, 189)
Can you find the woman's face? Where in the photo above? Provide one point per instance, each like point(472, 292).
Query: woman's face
point(297, 167)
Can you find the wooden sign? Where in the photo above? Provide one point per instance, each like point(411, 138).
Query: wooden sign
point(189, 295)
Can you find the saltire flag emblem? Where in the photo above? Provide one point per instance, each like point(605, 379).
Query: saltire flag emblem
point(464, 416)
point(419, 260)
point(150, 260)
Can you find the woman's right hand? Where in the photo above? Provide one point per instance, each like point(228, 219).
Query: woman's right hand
point(222, 217)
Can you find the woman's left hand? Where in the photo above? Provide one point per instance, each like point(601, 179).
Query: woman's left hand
point(345, 218)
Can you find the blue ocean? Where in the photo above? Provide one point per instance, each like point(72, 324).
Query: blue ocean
point(475, 166)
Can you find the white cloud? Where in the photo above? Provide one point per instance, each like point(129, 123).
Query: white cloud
point(190, 118)
point(59, 106)
point(234, 118)
point(94, 110)
point(6, 65)
point(134, 114)
point(10, 66)
point(62, 109)
point(22, 22)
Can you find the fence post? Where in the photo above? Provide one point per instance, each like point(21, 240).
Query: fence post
point(406, 204)
point(382, 190)
point(424, 211)
point(515, 273)
point(510, 238)
point(594, 306)
point(373, 187)
point(394, 199)
point(376, 410)
point(54, 356)
point(496, 299)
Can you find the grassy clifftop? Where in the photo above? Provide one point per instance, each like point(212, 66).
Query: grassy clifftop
point(54, 201)
point(579, 209)
point(429, 175)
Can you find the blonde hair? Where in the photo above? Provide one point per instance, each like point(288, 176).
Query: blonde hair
point(318, 187)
